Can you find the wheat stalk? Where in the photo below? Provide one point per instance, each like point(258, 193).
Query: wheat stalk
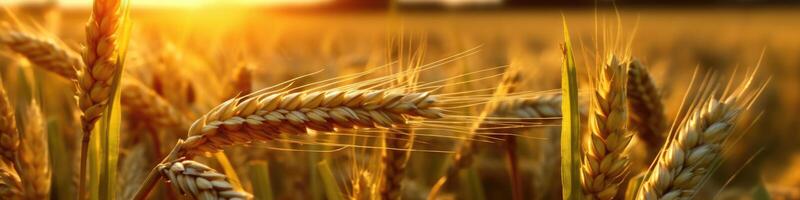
point(690, 157)
point(646, 109)
point(199, 181)
point(10, 183)
point(95, 81)
point(399, 142)
point(606, 161)
point(261, 118)
point(43, 53)
point(34, 159)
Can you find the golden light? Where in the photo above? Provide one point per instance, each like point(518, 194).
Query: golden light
point(179, 3)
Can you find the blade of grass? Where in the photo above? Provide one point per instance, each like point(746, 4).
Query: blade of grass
point(761, 192)
point(332, 190)
point(570, 130)
point(262, 186)
point(633, 186)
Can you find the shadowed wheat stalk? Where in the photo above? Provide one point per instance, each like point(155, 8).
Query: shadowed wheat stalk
point(399, 141)
point(605, 162)
point(44, 53)
point(646, 110)
point(690, 157)
point(200, 182)
point(10, 184)
point(34, 156)
point(102, 66)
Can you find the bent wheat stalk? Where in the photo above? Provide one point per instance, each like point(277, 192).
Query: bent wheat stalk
point(262, 117)
point(605, 160)
point(399, 142)
point(95, 81)
point(646, 109)
point(34, 159)
point(43, 53)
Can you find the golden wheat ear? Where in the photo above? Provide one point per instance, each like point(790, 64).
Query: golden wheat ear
point(646, 107)
point(198, 181)
point(34, 156)
point(44, 53)
point(605, 161)
point(263, 117)
point(10, 183)
point(696, 149)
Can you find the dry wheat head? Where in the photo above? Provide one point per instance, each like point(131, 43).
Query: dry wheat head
point(10, 183)
point(689, 158)
point(101, 58)
point(46, 54)
point(262, 117)
point(34, 159)
point(646, 109)
point(9, 138)
point(200, 182)
point(605, 160)
point(149, 108)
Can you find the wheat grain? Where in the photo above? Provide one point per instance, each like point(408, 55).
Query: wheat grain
point(261, 118)
point(200, 182)
point(605, 160)
point(34, 159)
point(688, 160)
point(646, 109)
point(43, 53)
point(399, 142)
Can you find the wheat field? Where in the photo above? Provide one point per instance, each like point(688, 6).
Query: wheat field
point(234, 102)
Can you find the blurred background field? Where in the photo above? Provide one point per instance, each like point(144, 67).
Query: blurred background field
point(280, 44)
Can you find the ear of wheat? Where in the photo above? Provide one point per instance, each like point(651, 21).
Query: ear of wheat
point(43, 53)
point(148, 108)
point(200, 182)
point(34, 159)
point(646, 110)
point(9, 138)
point(689, 158)
point(605, 161)
point(95, 81)
point(10, 184)
point(241, 82)
point(261, 118)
